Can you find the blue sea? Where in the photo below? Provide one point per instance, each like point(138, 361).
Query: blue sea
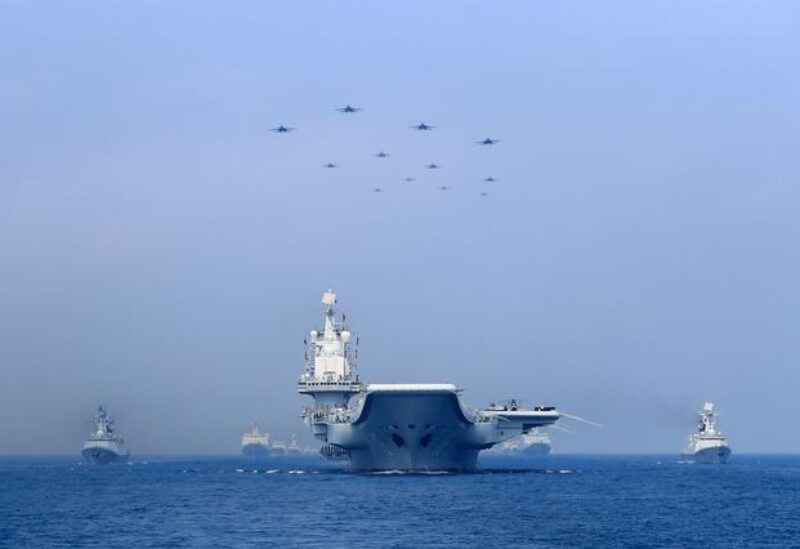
point(558, 501)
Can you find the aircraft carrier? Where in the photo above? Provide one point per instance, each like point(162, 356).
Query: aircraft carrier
point(104, 445)
point(407, 427)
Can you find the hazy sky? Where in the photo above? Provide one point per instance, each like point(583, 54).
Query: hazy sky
point(162, 252)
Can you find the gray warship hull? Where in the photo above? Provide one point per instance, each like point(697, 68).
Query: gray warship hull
point(408, 432)
point(422, 429)
point(255, 450)
point(719, 454)
point(538, 449)
point(102, 456)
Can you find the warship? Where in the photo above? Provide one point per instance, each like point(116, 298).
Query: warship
point(536, 443)
point(397, 426)
point(103, 445)
point(293, 447)
point(255, 442)
point(280, 447)
point(707, 445)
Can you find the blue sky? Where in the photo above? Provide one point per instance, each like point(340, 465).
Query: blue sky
point(161, 251)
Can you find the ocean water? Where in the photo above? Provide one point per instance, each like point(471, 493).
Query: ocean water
point(558, 501)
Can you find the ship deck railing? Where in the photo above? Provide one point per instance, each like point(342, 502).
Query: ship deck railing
point(352, 384)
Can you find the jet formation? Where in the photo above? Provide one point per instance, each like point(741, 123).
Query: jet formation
point(383, 155)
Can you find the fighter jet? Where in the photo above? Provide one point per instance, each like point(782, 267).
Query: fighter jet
point(443, 188)
point(281, 129)
point(348, 108)
point(490, 179)
point(382, 155)
point(433, 166)
point(408, 179)
point(377, 190)
point(484, 194)
point(422, 126)
point(488, 141)
point(330, 165)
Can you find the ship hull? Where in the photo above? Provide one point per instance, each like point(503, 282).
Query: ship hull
point(410, 431)
point(255, 450)
point(539, 449)
point(102, 456)
point(717, 454)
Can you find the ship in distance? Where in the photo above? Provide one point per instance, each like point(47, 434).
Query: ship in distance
point(103, 445)
point(405, 426)
point(255, 442)
point(707, 445)
point(280, 447)
point(535, 443)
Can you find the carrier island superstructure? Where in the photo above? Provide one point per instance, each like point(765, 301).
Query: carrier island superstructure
point(397, 426)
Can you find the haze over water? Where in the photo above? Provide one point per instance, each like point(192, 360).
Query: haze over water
point(162, 252)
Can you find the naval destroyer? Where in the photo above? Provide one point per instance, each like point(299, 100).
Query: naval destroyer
point(381, 426)
point(255, 442)
point(104, 445)
point(536, 443)
point(707, 445)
